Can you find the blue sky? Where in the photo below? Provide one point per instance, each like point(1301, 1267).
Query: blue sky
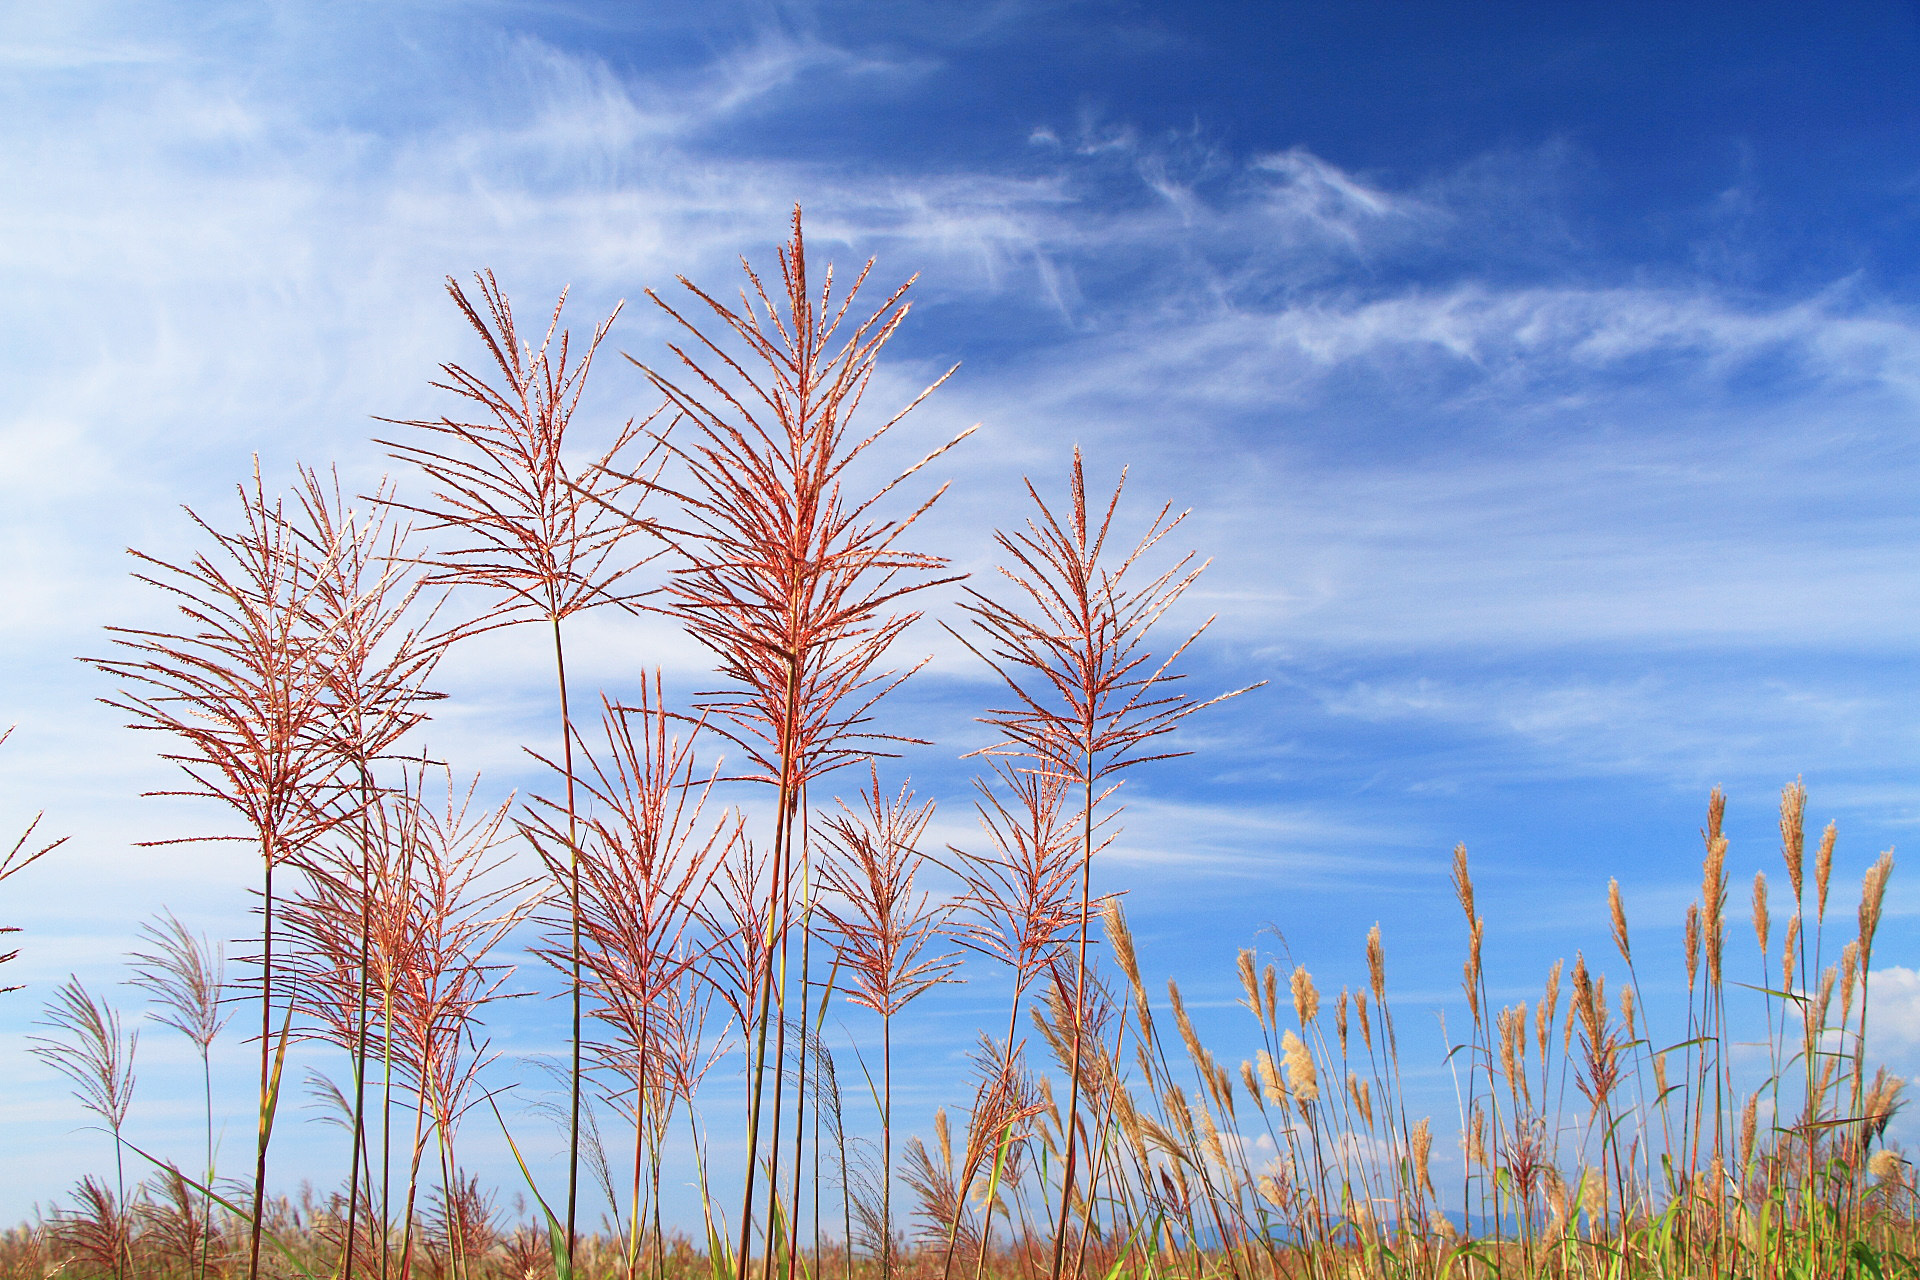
point(1543, 381)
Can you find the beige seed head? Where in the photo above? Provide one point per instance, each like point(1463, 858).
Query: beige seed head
point(1223, 1089)
point(1582, 992)
point(1826, 1079)
point(1173, 1105)
point(1129, 1117)
point(1271, 1191)
point(1366, 1024)
point(1693, 943)
point(1423, 1152)
point(1825, 998)
point(1270, 1083)
point(1209, 1132)
point(1626, 1012)
point(1749, 1129)
point(1306, 997)
point(1301, 1078)
point(1762, 922)
point(1884, 1166)
point(1272, 985)
point(1377, 965)
point(1593, 1195)
point(1789, 952)
point(1340, 1021)
point(1660, 1075)
point(1463, 883)
point(1559, 1200)
point(1476, 1138)
point(1883, 1096)
point(1362, 1213)
point(1713, 894)
point(1187, 1036)
point(1823, 866)
point(1121, 939)
point(1549, 1005)
point(1849, 973)
point(1793, 835)
point(1873, 892)
point(1250, 983)
point(1619, 914)
point(1511, 1024)
point(1441, 1225)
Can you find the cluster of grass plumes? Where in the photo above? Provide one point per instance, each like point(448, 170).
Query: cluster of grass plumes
point(168, 1239)
point(698, 952)
point(1598, 1139)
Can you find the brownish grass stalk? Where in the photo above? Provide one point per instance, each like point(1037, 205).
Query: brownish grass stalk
point(1088, 692)
point(795, 585)
point(244, 690)
point(87, 1045)
point(381, 650)
point(1017, 906)
point(185, 974)
point(545, 540)
point(881, 927)
point(644, 864)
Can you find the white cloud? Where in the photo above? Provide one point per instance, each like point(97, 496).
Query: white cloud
point(1893, 1017)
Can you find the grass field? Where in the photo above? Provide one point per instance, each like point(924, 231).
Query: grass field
point(1099, 1135)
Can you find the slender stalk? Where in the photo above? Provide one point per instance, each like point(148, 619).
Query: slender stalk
point(800, 1086)
point(886, 1140)
point(206, 1199)
point(781, 837)
point(778, 1221)
point(266, 1067)
point(1079, 1016)
point(413, 1182)
point(360, 1015)
point(573, 908)
point(386, 1125)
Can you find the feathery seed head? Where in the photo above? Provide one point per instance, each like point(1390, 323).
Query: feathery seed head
point(1823, 867)
point(1423, 1152)
point(1619, 914)
point(1301, 1078)
point(1789, 953)
point(1249, 982)
point(1693, 943)
point(1873, 892)
point(1377, 966)
point(1306, 997)
point(1271, 1085)
point(1793, 835)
